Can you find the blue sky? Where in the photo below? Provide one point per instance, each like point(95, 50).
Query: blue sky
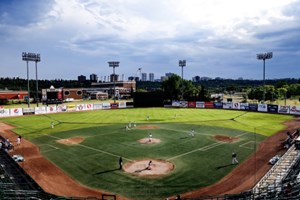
point(217, 38)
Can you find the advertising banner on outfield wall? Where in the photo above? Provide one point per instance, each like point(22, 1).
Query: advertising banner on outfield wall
point(200, 104)
point(236, 105)
point(40, 110)
point(61, 108)
point(122, 104)
point(253, 107)
point(80, 107)
point(16, 111)
point(192, 104)
point(97, 106)
point(244, 106)
point(71, 108)
point(106, 105)
point(175, 103)
point(209, 104)
point(295, 110)
point(227, 105)
point(51, 109)
point(4, 112)
point(28, 111)
point(88, 106)
point(262, 108)
point(183, 104)
point(218, 105)
point(114, 105)
point(284, 109)
point(272, 108)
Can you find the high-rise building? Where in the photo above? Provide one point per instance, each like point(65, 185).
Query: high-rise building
point(93, 78)
point(151, 77)
point(114, 77)
point(144, 76)
point(81, 78)
point(169, 74)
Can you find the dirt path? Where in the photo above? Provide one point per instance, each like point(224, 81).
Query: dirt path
point(55, 181)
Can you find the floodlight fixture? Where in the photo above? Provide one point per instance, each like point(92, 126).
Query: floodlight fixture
point(36, 58)
point(114, 64)
point(264, 57)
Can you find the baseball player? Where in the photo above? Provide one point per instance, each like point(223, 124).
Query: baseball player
point(150, 137)
point(234, 159)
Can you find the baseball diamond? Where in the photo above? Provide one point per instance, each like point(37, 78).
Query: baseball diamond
point(80, 155)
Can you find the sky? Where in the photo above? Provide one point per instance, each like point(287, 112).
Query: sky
point(217, 38)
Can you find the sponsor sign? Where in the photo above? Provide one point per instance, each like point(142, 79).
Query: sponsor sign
point(295, 110)
point(79, 107)
point(262, 108)
point(28, 111)
point(192, 104)
point(122, 104)
point(218, 105)
point(272, 108)
point(89, 106)
point(244, 106)
point(114, 105)
point(106, 105)
point(61, 108)
point(253, 107)
point(97, 106)
point(175, 103)
point(71, 107)
point(209, 104)
point(40, 110)
point(16, 111)
point(4, 112)
point(183, 104)
point(51, 109)
point(236, 105)
point(200, 104)
point(227, 105)
point(284, 109)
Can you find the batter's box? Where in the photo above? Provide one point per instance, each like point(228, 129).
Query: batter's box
point(248, 145)
point(47, 148)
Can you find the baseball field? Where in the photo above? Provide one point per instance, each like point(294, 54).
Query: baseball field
point(189, 148)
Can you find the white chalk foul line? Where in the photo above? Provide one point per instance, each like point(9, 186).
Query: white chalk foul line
point(205, 148)
point(94, 149)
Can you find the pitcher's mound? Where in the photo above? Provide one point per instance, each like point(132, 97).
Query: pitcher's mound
point(142, 168)
point(148, 141)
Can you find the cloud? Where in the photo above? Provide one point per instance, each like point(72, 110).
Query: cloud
point(217, 38)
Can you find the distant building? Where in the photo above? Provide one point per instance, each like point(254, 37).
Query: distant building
point(151, 77)
point(81, 78)
point(114, 77)
point(93, 78)
point(144, 76)
point(169, 74)
point(196, 79)
point(205, 78)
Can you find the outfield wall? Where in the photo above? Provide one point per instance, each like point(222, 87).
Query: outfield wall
point(267, 108)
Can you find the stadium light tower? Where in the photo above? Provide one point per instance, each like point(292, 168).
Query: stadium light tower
point(264, 57)
point(114, 64)
point(36, 58)
point(182, 64)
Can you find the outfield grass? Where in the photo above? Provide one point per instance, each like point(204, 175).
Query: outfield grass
point(94, 162)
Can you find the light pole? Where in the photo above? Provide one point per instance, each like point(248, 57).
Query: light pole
point(264, 56)
point(36, 58)
point(182, 64)
point(114, 64)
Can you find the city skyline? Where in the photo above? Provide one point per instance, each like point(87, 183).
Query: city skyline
point(216, 38)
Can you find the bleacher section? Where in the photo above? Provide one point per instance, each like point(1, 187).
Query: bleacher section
point(17, 184)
